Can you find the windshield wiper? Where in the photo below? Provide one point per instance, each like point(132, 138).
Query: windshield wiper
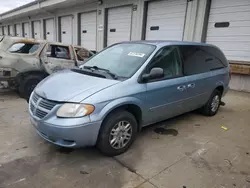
point(114, 76)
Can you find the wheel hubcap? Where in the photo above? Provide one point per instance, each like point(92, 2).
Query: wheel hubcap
point(215, 103)
point(120, 134)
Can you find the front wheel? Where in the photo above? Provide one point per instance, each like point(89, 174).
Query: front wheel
point(28, 84)
point(213, 104)
point(117, 133)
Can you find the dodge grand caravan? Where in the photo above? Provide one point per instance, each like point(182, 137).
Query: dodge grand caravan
point(125, 87)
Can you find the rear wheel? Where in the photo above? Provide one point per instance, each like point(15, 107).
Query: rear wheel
point(117, 133)
point(28, 84)
point(213, 104)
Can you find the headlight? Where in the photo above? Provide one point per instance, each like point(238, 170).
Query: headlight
point(73, 110)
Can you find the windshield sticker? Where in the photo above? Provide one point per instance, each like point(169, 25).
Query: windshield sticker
point(136, 54)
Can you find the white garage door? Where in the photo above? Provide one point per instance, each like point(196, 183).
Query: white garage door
point(66, 29)
point(229, 28)
point(5, 30)
point(26, 30)
point(165, 20)
point(88, 30)
point(49, 29)
point(119, 24)
point(11, 30)
point(18, 30)
point(37, 29)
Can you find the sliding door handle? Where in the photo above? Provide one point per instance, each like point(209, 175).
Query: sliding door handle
point(181, 88)
point(191, 85)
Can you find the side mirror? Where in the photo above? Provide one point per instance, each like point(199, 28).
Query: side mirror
point(155, 73)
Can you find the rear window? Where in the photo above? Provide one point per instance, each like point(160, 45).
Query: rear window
point(24, 48)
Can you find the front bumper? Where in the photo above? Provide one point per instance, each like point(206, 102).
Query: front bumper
point(4, 78)
point(72, 136)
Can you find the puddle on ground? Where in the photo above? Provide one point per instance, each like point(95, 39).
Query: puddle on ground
point(162, 130)
point(65, 150)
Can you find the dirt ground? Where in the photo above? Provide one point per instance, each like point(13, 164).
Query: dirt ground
point(189, 151)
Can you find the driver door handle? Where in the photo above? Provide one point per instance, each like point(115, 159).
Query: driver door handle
point(191, 85)
point(181, 88)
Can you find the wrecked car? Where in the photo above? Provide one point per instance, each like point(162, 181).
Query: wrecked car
point(25, 62)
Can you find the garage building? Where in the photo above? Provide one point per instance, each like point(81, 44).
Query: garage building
point(96, 24)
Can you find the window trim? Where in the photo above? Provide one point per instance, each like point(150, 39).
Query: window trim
point(150, 62)
point(64, 58)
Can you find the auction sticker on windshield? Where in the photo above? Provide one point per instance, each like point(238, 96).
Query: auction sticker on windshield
point(136, 54)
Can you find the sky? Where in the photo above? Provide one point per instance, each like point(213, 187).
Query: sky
point(6, 5)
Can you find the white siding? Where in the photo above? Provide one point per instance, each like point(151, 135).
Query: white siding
point(37, 33)
point(234, 40)
point(66, 29)
point(49, 29)
point(26, 30)
point(5, 30)
point(165, 20)
point(88, 30)
point(119, 24)
point(18, 30)
point(240, 82)
point(11, 30)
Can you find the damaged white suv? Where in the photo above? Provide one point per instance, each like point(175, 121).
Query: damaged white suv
point(25, 62)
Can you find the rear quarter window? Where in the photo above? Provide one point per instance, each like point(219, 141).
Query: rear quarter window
point(219, 57)
point(200, 59)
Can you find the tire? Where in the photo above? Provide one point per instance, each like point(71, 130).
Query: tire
point(213, 104)
point(28, 84)
point(109, 132)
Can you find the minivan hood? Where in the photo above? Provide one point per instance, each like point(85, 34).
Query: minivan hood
point(69, 86)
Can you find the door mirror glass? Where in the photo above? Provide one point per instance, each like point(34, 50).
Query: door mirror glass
point(155, 73)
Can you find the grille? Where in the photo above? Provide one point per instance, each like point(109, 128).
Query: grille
point(47, 104)
point(40, 107)
point(41, 114)
point(35, 98)
point(32, 107)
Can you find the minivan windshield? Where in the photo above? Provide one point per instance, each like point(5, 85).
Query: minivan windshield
point(123, 60)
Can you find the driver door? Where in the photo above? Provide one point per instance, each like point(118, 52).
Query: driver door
point(166, 97)
point(57, 57)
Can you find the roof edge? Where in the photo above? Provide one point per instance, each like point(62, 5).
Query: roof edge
point(21, 7)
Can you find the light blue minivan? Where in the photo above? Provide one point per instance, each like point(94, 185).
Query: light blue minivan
point(125, 87)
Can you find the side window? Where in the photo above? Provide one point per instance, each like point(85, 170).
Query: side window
point(195, 60)
point(24, 48)
point(169, 60)
point(81, 53)
point(56, 51)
